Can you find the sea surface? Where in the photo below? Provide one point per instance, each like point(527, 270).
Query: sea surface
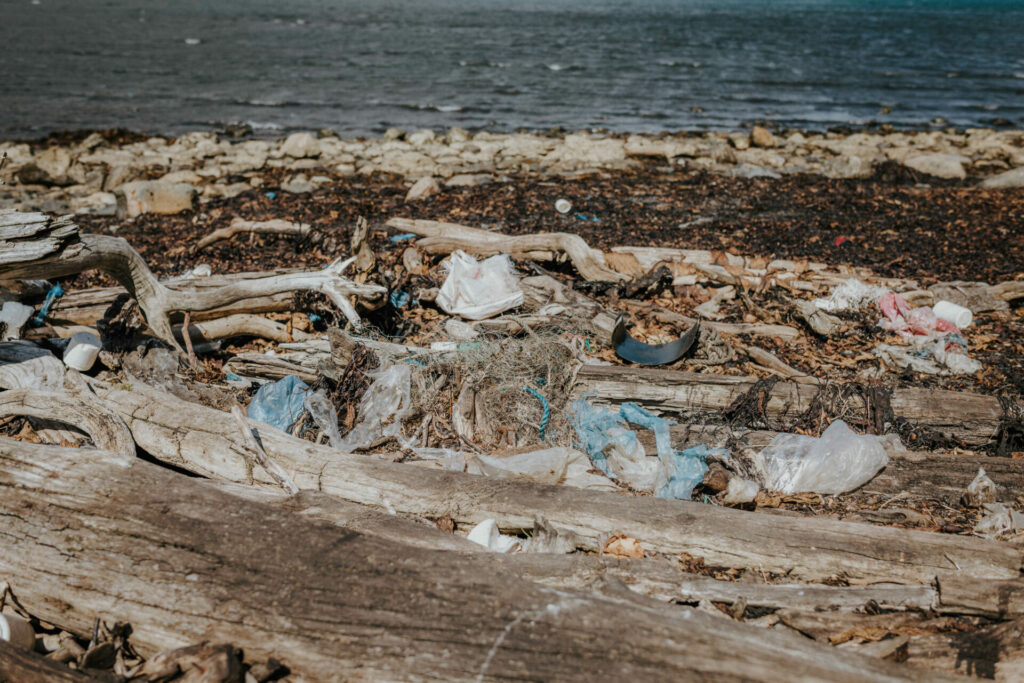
point(361, 66)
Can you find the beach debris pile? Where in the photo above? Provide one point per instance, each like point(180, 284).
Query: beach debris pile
point(549, 398)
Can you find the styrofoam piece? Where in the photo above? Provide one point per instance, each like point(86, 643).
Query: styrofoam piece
point(15, 315)
point(486, 534)
point(563, 206)
point(82, 351)
point(479, 289)
point(951, 312)
point(17, 631)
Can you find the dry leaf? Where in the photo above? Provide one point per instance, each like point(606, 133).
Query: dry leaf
point(621, 545)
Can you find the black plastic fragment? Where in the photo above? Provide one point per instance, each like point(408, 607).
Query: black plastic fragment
point(635, 351)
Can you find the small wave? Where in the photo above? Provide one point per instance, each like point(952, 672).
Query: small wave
point(563, 67)
point(192, 41)
point(486, 63)
point(1019, 74)
point(677, 63)
point(446, 108)
point(264, 125)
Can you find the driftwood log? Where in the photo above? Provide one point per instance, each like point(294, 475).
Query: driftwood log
point(240, 225)
point(444, 238)
point(91, 534)
point(972, 419)
point(17, 666)
point(195, 438)
point(115, 257)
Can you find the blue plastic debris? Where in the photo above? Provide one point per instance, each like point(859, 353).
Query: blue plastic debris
point(399, 298)
point(232, 377)
point(313, 317)
point(685, 469)
point(280, 403)
point(51, 296)
point(271, 195)
point(659, 425)
point(404, 237)
point(598, 428)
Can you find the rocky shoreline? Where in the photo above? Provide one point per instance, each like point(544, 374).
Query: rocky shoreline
point(106, 176)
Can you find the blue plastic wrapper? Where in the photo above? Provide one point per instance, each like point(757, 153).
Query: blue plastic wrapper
point(399, 298)
point(659, 425)
point(592, 425)
point(280, 403)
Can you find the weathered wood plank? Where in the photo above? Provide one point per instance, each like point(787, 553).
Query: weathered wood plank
point(92, 534)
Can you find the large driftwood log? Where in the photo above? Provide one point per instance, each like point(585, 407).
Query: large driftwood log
point(106, 429)
point(27, 237)
point(96, 535)
point(973, 419)
point(444, 238)
point(194, 438)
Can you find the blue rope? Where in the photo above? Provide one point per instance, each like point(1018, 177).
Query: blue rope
point(547, 410)
point(414, 362)
point(51, 296)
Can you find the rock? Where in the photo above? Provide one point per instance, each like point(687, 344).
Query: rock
point(298, 185)
point(119, 175)
point(468, 180)
point(421, 137)
point(846, 166)
point(760, 137)
point(582, 151)
point(423, 188)
point(739, 141)
point(49, 167)
point(345, 169)
point(457, 134)
point(300, 146)
point(153, 196)
point(1011, 178)
point(190, 177)
point(938, 165)
point(394, 134)
point(99, 203)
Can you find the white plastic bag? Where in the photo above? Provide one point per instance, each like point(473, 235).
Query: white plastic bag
point(383, 407)
point(323, 413)
point(14, 315)
point(486, 534)
point(479, 289)
point(559, 465)
point(841, 460)
point(851, 295)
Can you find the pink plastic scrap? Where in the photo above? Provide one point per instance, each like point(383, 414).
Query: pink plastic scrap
point(909, 322)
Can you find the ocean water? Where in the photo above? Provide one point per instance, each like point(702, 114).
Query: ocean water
point(361, 66)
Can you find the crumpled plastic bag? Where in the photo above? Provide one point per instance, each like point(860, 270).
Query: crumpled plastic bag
point(559, 465)
point(383, 407)
point(324, 415)
point(937, 357)
point(999, 520)
point(479, 289)
point(981, 490)
point(841, 460)
point(280, 404)
point(13, 317)
point(909, 322)
point(850, 295)
point(612, 446)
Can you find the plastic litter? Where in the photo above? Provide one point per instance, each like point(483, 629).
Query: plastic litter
point(383, 407)
point(404, 237)
point(13, 316)
point(951, 312)
point(280, 404)
point(399, 299)
point(323, 413)
point(82, 351)
point(613, 448)
point(740, 491)
point(929, 356)
point(560, 465)
point(17, 631)
point(681, 472)
point(479, 289)
point(851, 295)
point(998, 520)
point(980, 491)
point(486, 534)
point(563, 206)
point(841, 460)
point(547, 410)
point(448, 459)
point(635, 351)
point(901, 318)
point(55, 292)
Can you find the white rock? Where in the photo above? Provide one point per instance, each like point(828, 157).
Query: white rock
point(423, 188)
point(1011, 178)
point(939, 165)
point(300, 145)
point(740, 491)
point(468, 180)
point(421, 137)
point(846, 166)
point(154, 196)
